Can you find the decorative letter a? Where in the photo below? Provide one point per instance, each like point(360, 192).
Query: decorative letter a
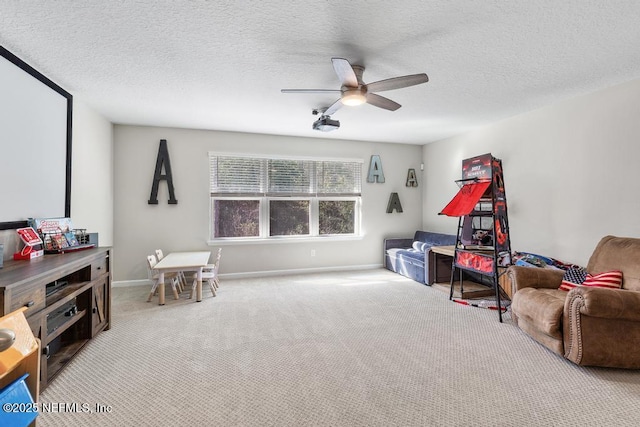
point(162, 160)
point(375, 170)
point(412, 181)
point(394, 203)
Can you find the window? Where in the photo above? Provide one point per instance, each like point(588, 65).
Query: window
point(236, 218)
point(260, 197)
point(336, 216)
point(289, 217)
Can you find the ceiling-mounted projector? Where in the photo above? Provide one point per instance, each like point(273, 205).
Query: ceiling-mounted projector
point(326, 124)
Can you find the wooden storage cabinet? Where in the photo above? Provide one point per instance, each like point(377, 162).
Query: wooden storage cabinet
point(64, 320)
point(99, 308)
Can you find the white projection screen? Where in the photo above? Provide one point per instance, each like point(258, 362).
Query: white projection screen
point(35, 145)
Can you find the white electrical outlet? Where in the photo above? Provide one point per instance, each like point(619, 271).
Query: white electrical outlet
point(313, 252)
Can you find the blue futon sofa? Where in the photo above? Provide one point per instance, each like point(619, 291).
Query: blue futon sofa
point(412, 257)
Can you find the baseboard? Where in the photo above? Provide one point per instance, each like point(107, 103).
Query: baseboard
point(291, 272)
point(251, 274)
point(127, 283)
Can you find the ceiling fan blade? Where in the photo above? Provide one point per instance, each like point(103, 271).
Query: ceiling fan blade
point(333, 108)
point(382, 102)
point(397, 82)
point(345, 72)
point(310, 90)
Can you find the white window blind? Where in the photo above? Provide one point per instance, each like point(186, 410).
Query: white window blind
point(290, 177)
point(237, 175)
point(251, 176)
point(339, 178)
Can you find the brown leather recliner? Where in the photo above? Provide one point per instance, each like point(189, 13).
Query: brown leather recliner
point(589, 326)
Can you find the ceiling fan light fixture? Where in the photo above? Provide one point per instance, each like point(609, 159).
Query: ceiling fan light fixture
point(353, 97)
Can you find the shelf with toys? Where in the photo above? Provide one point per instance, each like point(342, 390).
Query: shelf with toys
point(59, 236)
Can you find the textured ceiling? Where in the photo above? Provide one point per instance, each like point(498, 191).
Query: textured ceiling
point(221, 64)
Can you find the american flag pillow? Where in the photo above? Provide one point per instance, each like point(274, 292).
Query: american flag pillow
point(579, 277)
point(573, 277)
point(608, 279)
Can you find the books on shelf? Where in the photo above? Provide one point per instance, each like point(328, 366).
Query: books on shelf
point(59, 241)
point(71, 238)
point(58, 234)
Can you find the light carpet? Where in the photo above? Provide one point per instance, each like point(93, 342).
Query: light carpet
point(365, 348)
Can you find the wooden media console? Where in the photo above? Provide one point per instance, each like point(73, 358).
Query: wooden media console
point(68, 301)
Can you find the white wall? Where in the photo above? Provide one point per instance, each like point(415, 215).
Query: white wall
point(570, 172)
point(140, 228)
point(92, 173)
point(92, 177)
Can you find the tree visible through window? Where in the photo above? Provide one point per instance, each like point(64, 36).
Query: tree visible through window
point(236, 218)
point(337, 216)
point(266, 197)
point(289, 217)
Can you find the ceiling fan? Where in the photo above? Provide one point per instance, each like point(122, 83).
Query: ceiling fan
point(355, 92)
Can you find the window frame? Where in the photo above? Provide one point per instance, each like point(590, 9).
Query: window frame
point(211, 218)
point(265, 197)
point(357, 215)
point(267, 222)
